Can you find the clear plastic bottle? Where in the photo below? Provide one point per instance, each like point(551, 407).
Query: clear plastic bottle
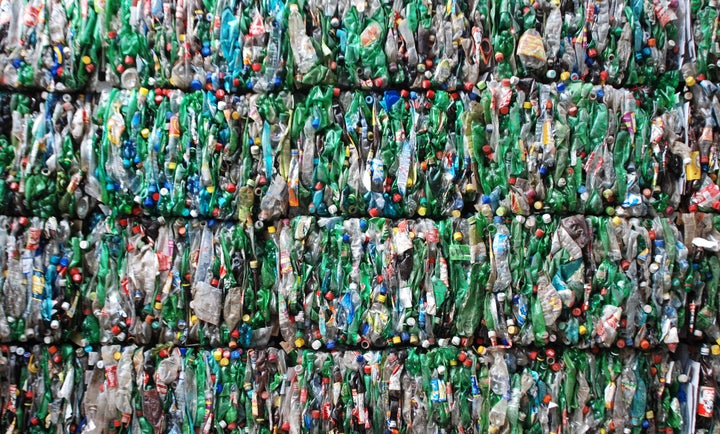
point(302, 48)
point(501, 251)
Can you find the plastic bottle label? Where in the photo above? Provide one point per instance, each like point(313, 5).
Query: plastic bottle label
point(405, 298)
point(474, 387)
point(692, 170)
point(460, 252)
point(439, 392)
point(706, 400)
point(285, 264)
